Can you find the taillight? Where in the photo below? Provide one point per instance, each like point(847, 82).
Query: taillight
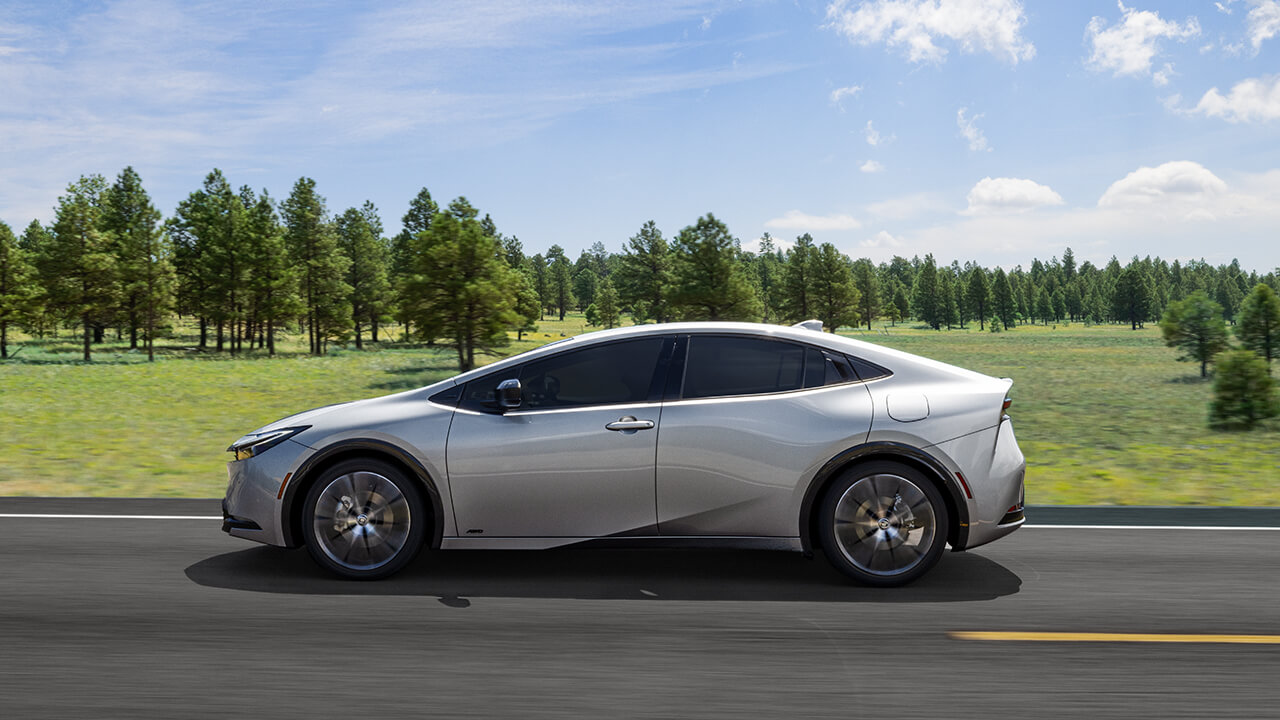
point(1007, 402)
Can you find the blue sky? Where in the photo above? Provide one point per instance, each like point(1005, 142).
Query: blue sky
point(991, 130)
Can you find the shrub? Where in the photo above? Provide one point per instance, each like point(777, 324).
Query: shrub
point(1243, 390)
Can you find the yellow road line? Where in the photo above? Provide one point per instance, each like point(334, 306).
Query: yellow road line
point(1115, 637)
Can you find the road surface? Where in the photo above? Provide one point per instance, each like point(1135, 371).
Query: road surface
point(168, 618)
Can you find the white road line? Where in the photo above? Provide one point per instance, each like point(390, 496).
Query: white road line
point(50, 516)
point(68, 516)
point(1147, 527)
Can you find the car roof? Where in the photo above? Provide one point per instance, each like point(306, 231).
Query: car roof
point(893, 359)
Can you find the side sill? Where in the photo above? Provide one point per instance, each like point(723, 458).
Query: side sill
point(791, 544)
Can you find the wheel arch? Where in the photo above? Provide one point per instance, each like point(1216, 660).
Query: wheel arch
point(952, 494)
point(311, 469)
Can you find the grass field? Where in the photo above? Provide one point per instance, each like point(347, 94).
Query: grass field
point(1103, 414)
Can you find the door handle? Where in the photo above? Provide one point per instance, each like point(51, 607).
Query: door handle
point(629, 423)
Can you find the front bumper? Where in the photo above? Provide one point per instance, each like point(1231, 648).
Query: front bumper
point(252, 508)
point(231, 522)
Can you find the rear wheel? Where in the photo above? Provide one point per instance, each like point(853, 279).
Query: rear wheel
point(883, 524)
point(364, 519)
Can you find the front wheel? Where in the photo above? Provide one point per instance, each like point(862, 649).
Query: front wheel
point(364, 519)
point(883, 524)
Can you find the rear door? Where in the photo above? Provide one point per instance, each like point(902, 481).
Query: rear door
point(751, 418)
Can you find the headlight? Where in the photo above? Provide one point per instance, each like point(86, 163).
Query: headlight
point(255, 444)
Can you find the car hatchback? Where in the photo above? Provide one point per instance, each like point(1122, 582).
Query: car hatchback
point(725, 434)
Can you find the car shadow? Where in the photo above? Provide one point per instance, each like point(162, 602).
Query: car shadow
point(612, 574)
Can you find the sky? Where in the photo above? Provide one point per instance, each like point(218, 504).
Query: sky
point(985, 130)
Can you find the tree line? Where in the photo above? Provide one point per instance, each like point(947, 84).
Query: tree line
point(243, 266)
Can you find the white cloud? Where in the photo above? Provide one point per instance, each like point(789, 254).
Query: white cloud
point(883, 239)
point(1254, 99)
point(1161, 77)
point(871, 166)
point(874, 138)
point(845, 92)
point(796, 220)
point(1182, 182)
point(916, 26)
point(1263, 22)
point(1129, 47)
point(970, 131)
point(1185, 225)
point(904, 207)
point(1009, 195)
point(1223, 8)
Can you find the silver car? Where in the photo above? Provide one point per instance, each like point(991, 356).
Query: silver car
point(737, 434)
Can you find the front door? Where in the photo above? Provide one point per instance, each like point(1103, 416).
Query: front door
point(575, 460)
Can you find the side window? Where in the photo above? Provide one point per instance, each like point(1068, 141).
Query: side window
point(868, 370)
point(479, 394)
point(823, 368)
point(610, 374)
point(719, 366)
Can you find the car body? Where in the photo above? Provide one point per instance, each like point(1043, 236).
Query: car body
point(710, 433)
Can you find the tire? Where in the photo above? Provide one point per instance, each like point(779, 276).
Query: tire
point(364, 519)
point(883, 524)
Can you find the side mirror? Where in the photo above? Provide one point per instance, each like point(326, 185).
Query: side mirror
point(509, 394)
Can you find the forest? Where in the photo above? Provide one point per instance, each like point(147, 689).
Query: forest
point(243, 266)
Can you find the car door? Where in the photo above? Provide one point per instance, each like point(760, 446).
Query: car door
point(752, 418)
point(576, 459)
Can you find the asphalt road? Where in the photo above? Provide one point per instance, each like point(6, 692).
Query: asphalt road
point(172, 619)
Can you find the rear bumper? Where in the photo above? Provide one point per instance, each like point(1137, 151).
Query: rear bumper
point(996, 472)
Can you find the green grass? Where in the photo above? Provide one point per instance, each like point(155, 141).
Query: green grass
point(1103, 414)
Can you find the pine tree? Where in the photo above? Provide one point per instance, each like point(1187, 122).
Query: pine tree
point(19, 292)
point(1044, 306)
point(585, 281)
point(528, 308)
point(541, 278)
point(1002, 301)
point(421, 213)
point(868, 284)
point(313, 245)
point(835, 297)
point(273, 282)
point(560, 274)
point(144, 257)
point(607, 303)
point(37, 243)
point(145, 272)
point(1243, 391)
point(901, 303)
point(978, 293)
point(644, 275)
point(460, 287)
point(946, 307)
point(360, 240)
point(710, 282)
point(1258, 326)
point(795, 305)
point(1133, 296)
point(1196, 327)
point(768, 267)
point(924, 296)
point(83, 266)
